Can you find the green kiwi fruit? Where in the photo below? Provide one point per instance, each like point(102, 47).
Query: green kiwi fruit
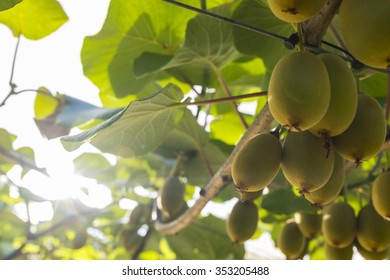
point(306, 163)
point(343, 97)
point(365, 136)
point(299, 90)
point(242, 221)
point(332, 188)
point(369, 255)
point(339, 224)
point(365, 29)
point(334, 253)
point(171, 198)
point(291, 241)
point(257, 163)
point(308, 223)
point(294, 11)
point(373, 231)
point(381, 195)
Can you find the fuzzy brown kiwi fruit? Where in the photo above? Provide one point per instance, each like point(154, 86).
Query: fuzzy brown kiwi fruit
point(291, 241)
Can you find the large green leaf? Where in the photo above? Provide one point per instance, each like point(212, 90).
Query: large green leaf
point(34, 19)
point(132, 28)
point(208, 47)
point(256, 13)
point(8, 4)
point(205, 239)
point(136, 130)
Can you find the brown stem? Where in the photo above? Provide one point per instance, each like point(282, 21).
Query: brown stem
point(315, 28)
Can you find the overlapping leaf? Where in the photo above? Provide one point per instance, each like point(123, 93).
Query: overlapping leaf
point(136, 130)
point(132, 28)
point(8, 4)
point(256, 13)
point(34, 19)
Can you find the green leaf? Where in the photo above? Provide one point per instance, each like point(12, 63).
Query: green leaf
point(227, 128)
point(284, 201)
point(208, 47)
point(45, 104)
point(205, 238)
point(94, 166)
point(130, 29)
point(256, 13)
point(136, 130)
point(6, 139)
point(34, 19)
point(376, 86)
point(8, 4)
point(76, 112)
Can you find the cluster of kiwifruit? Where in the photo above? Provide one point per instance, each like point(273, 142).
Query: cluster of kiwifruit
point(316, 98)
point(341, 229)
point(364, 25)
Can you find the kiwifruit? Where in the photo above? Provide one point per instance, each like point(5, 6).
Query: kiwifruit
point(80, 239)
point(245, 196)
point(131, 239)
point(166, 219)
point(339, 224)
point(343, 99)
point(332, 188)
point(369, 255)
point(366, 134)
point(140, 214)
point(365, 28)
point(334, 253)
point(171, 197)
point(306, 163)
point(373, 231)
point(257, 163)
point(293, 11)
point(381, 195)
point(242, 221)
point(308, 223)
point(291, 241)
point(299, 90)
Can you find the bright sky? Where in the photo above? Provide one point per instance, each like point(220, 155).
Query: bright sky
point(53, 62)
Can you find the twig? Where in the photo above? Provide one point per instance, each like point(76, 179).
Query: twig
point(11, 82)
point(22, 161)
point(230, 95)
point(219, 180)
